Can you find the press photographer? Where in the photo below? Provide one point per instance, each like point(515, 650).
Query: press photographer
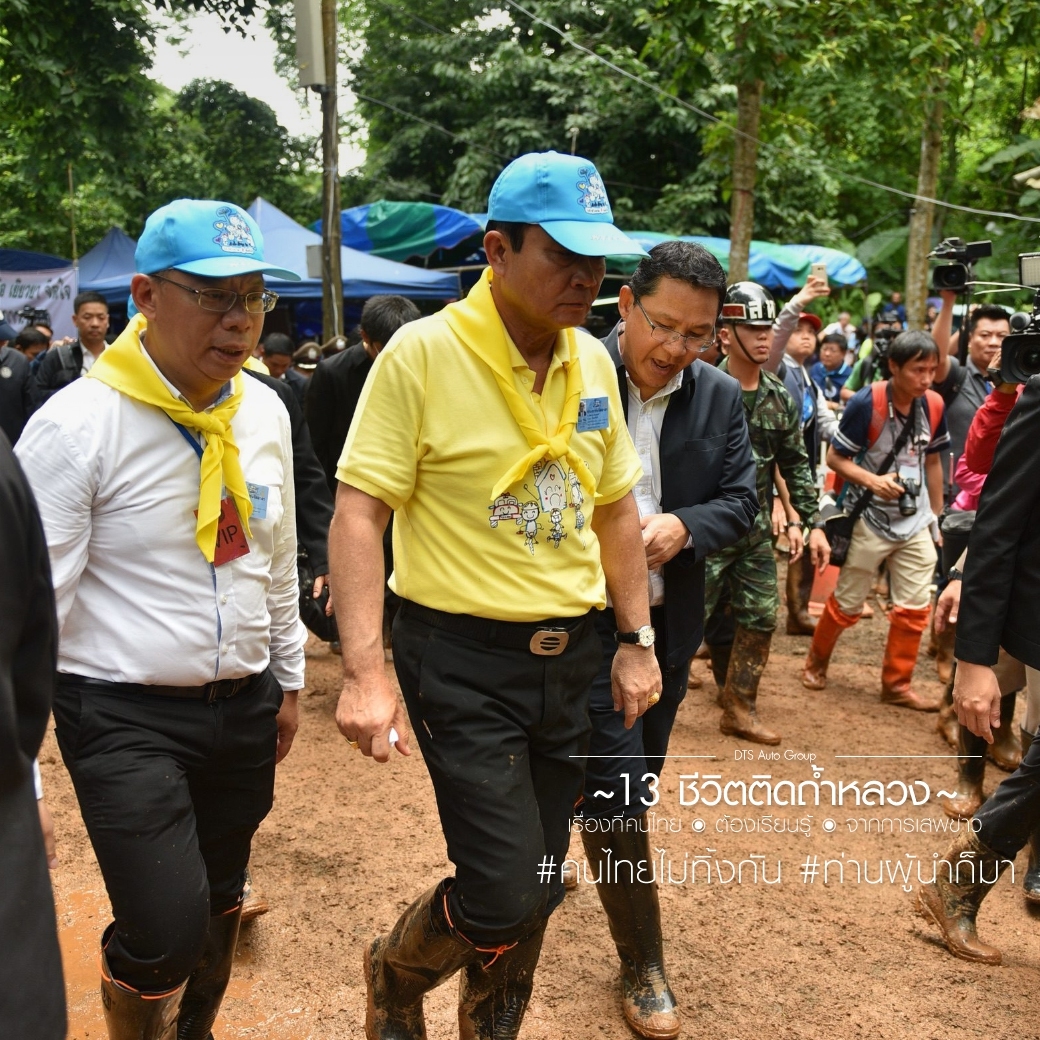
point(873, 363)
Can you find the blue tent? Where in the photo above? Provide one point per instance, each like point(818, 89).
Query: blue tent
point(398, 230)
point(21, 260)
point(285, 244)
point(109, 266)
point(842, 269)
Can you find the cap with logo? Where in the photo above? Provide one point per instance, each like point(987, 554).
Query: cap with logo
point(565, 196)
point(307, 357)
point(748, 303)
point(205, 237)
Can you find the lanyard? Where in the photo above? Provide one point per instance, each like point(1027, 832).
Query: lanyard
point(195, 446)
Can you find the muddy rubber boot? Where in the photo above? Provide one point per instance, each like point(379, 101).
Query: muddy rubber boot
point(253, 903)
point(494, 994)
point(944, 643)
point(720, 653)
point(634, 915)
point(971, 768)
point(421, 951)
point(746, 665)
point(1031, 882)
point(952, 904)
point(1006, 751)
point(833, 621)
point(946, 725)
point(206, 984)
point(799, 621)
point(132, 1015)
point(905, 626)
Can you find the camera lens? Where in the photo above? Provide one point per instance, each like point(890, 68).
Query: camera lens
point(1030, 360)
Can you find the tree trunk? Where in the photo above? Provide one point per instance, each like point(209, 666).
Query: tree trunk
point(745, 161)
point(919, 243)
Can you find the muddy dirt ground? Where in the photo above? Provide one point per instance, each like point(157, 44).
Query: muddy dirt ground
point(349, 844)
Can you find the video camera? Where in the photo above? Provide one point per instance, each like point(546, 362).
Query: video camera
point(954, 276)
point(33, 316)
point(1020, 352)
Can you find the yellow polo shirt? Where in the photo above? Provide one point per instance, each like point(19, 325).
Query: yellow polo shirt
point(433, 434)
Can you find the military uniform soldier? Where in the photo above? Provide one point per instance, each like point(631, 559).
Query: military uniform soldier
point(747, 568)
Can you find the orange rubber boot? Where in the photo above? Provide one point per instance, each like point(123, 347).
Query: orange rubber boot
point(905, 626)
point(833, 621)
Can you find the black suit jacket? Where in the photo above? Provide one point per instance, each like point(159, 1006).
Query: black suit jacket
point(332, 398)
point(1000, 598)
point(16, 392)
point(707, 481)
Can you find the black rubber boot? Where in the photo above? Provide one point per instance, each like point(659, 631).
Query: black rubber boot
point(494, 993)
point(1031, 882)
point(971, 768)
point(420, 952)
point(206, 984)
point(131, 1015)
point(634, 914)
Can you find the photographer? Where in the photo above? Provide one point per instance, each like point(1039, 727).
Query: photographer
point(888, 444)
point(871, 364)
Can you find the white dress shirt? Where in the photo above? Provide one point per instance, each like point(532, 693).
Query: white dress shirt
point(645, 419)
point(117, 487)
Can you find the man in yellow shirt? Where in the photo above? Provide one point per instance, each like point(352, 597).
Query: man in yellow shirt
point(495, 433)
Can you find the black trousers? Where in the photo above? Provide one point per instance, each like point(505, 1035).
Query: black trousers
point(504, 734)
point(615, 751)
point(171, 792)
point(1006, 821)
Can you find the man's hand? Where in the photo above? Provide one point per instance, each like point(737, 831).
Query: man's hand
point(819, 549)
point(288, 723)
point(634, 676)
point(796, 541)
point(947, 606)
point(367, 710)
point(813, 287)
point(319, 583)
point(779, 517)
point(976, 698)
point(664, 535)
point(886, 486)
point(47, 826)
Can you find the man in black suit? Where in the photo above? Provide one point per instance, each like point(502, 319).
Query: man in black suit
point(276, 352)
point(16, 385)
point(696, 496)
point(32, 993)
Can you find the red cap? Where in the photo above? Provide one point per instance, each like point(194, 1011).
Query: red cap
point(812, 319)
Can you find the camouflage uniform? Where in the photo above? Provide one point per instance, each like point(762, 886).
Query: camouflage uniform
point(748, 566)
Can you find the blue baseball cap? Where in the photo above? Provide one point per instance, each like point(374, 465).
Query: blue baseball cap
point(565, 196)
point(204, 237)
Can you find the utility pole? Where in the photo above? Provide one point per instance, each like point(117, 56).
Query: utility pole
point(331, 277)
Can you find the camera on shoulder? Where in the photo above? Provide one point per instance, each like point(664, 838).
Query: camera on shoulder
point(954, 276)
point(1020, 352)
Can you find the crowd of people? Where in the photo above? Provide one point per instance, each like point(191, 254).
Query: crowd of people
point(572, 519)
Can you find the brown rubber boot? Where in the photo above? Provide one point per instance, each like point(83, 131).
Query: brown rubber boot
point(832, 623)
point(494, 994)
point(971, 768)
point(132, 1015)
point(952, 903)
point(747, 662)
point(1006, 750)
point(799, 621)
point(421, 951)
point(253, 903)
point(944, 643)
point(1031, 882)
point(905, 626)
point(634, 915)
point(206, 984)
point(720, 653)
point(946, 725)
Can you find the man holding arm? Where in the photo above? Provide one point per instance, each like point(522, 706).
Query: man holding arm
point(495, 432)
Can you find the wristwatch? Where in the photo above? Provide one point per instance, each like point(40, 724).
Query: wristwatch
point(643, 637)
point(954, 575)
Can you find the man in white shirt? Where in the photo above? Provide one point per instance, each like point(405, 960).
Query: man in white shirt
point(165, 484)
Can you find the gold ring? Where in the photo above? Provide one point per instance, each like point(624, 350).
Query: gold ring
point(653, 698)
point(354, 744)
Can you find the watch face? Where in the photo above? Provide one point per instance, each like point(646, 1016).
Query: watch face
point(646, 636)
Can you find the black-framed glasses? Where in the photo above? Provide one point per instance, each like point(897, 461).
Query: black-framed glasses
point(220, 301)
point(666, 336)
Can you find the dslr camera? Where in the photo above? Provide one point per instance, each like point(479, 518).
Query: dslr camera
point(908, 499)
point(962, 256)
point(1020, 352)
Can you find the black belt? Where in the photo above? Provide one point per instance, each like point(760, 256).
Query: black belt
point(544, 638)
point(212, 691)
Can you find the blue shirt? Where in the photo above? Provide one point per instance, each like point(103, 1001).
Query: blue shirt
point(830, 382)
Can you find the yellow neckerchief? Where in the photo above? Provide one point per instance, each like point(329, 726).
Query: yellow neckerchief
point(476, 321)
point(124, 367)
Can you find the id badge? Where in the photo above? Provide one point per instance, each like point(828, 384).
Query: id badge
point(231, 537)
point(593, 414)
point(258, 497)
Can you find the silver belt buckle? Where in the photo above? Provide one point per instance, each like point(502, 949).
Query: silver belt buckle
point(549, 642)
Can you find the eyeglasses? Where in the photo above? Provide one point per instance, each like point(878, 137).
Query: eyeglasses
point(220, 301)
point(664, 335)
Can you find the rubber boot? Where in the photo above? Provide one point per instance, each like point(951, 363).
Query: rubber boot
point(905, 626)
point(833, 621)
point(944, 643)
point(799, 621)
point(748, 661)
point(421, 951)
point(971, 768)
point(494, 994)
point(952, 904)
point(1006, 751)
point(253, 903)
point(946, 725)
point(1031, 882)
point(206, 984)
point(720, 654)
point(634, 915)
point(132, 1015)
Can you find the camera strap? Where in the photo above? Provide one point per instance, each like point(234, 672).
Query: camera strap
point(900, 441)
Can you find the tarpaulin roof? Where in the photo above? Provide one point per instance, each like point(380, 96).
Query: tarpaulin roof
point(109, 266)
point(364, 275)
point(21, 260)
point(398, 230)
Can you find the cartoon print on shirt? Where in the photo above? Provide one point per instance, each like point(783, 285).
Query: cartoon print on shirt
point(577, 500)
point(528, 521)
point(556, 532)
point(551, 482)
point(506, 507)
